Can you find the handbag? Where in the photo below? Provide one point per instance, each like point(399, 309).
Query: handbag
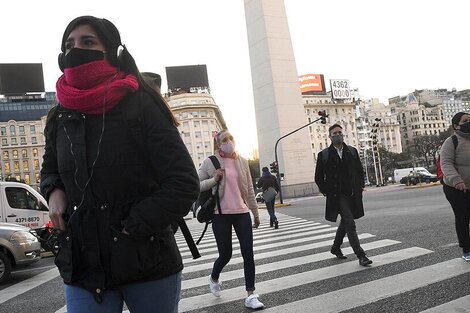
point(269, 194)
point(206, 203)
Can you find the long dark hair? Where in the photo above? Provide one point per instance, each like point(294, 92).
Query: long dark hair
point(109, 35)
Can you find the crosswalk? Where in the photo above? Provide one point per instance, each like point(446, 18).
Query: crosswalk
point(295, 272)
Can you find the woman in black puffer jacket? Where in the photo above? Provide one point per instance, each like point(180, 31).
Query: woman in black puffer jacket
point(116, 175)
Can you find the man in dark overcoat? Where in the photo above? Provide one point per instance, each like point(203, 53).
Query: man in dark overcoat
point(340, 177)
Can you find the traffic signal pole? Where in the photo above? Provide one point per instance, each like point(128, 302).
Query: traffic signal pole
point(322, 117)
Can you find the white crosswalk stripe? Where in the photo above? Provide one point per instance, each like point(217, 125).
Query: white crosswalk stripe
point(294, 257)
point(277, 251)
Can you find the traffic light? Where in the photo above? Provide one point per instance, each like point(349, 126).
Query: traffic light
point(323, 116)
point(273, 166)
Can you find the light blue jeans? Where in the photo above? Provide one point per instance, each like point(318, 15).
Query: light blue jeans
point(159, 296)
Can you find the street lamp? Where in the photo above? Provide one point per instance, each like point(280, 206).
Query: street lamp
point(375, 149)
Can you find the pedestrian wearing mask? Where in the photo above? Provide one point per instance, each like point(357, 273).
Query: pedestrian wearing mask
point(267, 180)
point(236, 199)
point(340, 177)
point(455, 165)
point(111, 200)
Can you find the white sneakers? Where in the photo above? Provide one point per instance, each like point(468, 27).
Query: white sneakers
point(215, 287)
point(250, 302)
point(466, 256)
point(253, 302)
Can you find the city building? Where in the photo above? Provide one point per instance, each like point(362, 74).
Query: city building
point(22, 121)
point(199, 117)
point(417, 120)
point(340, 113)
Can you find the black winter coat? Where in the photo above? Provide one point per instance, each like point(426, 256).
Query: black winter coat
point(340, 176)
point(268, 181)
point(141, 191)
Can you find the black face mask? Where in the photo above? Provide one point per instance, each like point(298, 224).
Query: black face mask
point(77, 56)
point(465, 127)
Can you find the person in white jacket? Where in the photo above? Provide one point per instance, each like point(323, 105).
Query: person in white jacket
point(237, 199)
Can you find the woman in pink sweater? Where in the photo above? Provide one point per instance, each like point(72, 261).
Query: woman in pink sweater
point(237, 199)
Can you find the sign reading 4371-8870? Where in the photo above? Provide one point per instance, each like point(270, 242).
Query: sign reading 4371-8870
point(340, 89)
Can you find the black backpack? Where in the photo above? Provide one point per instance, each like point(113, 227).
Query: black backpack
point(207, 202)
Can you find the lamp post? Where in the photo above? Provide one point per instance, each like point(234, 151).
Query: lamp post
point(375, 148)
point(322, 117)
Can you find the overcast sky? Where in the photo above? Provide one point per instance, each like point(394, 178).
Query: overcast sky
point(385, 48)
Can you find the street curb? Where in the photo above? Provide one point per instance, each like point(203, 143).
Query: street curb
point(422, 185)
point(277, 205)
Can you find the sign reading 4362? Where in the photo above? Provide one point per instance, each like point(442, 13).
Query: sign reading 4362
point(340, 89)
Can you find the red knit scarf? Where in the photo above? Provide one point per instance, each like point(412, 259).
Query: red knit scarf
point(87, 88)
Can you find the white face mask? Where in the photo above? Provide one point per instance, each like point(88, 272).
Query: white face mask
point(228, 147)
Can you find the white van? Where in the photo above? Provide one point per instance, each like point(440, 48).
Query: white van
point(21, 204)
point(402, 172)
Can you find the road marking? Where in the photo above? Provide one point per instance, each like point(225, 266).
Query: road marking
point(299, 233)
point(33, 269)
point(270, 254)
point(27, 284)
point(460, 305)
point(282, 283)
point(270, 267)
point(370, 292)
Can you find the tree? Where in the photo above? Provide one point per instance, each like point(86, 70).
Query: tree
point(254, 168)
point(425, 147)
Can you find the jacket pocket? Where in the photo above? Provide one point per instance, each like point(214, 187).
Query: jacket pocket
point(131, 259)
point(64, 258)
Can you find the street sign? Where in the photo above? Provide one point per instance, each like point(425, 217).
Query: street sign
point(340, 89)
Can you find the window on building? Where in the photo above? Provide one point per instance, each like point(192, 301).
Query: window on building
point(32, 129)
point(35, 152)
point(6, 155)
point(15, 154)
point(197, 134)
point(4, 142)
point(16, 166)
point(34, 140)
point(12, 130)
point(22, 140)
point(21, 130)
point(203, 113)
point(14, 141)
point(7, 167)
point(24, 153)
point(27, 179)
point(38, 178)
point(25, 165)
point(3, 131)
point(36, 164)
point(195, 114)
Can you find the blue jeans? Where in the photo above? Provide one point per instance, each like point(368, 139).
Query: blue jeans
point(270, 208)
point(222, 229)
point(160, 296)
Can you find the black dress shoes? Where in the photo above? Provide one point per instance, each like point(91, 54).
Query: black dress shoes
point(364, 261)
point(338, 253)
point(276, 224)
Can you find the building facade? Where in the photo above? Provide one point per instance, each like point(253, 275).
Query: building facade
point(22, 121)
point(340, 113)
point(418, 120)
point(199, 118)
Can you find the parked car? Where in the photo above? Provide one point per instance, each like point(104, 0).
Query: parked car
point(418, 177)
point(259, 197)
point(19, 246)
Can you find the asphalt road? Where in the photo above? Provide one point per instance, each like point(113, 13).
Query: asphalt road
point(418, 219)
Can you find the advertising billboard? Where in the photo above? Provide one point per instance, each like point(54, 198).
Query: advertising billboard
point(187, 77)
point(340, 89)
point(21, 78)
point(312, 84)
